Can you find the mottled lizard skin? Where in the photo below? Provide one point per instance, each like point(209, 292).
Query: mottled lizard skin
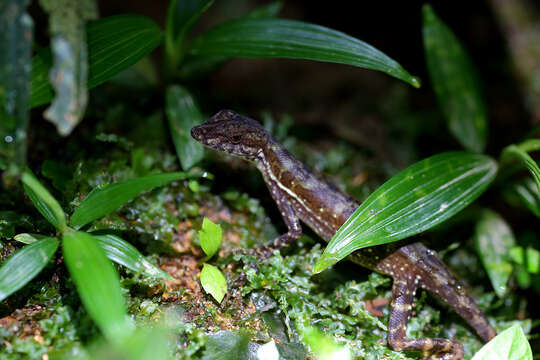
point(300, 195)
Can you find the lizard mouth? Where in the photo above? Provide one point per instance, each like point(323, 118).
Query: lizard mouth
point(197, 132)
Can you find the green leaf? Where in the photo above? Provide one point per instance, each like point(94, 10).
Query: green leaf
point(25, 264)
point(197, 65)
point(455, 82)
point(527, 191)
point(510, 344)
point(517, 255)
point(493, 240)
point(520, 152)
point(183, 114)
point(26, 238)
point(323, 345)
point(180, 17)
point(106, 199)
point(533, 260)
point(97, 283)
point(123, 253)
point(270, 10)
point(210, 237)
point(213, 282)
point(148, 342)
point(16, 28)
point(280, 38)
point(44, 202)
point(530, 145)
point(114, 44)
point(418, 198)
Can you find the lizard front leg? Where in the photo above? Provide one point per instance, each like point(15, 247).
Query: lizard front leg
point(403, 291)
point(294, 229)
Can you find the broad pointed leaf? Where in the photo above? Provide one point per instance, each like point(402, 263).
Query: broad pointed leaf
point(210, 237)
point(494, 239)
point(455, 83)
point(44, 202)
point(123, 253)
point(280, 38)
point(510, 344)
point(213, 282)
point(418, 198)
point(97, 283)
point(114, 44)
point(25, 264)
point(106, 199)
point(183, 114)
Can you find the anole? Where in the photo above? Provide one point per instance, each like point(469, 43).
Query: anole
point(300, 195)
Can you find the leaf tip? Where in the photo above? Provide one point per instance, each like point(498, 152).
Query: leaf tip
point(415, 82)
point(428, 15)
point(325, 262)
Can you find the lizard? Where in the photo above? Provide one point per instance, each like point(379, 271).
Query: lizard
point(301, 195)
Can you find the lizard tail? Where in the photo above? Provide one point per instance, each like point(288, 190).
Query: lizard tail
point(443, 284)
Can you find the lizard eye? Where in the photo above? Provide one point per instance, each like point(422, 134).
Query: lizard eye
point(235, 139)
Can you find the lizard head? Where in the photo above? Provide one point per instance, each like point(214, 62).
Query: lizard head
point(232, 133)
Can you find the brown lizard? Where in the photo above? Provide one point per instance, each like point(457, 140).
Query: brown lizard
point(300, 195)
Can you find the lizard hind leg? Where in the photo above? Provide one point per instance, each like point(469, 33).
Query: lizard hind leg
point(403, 291)
point(443, 284)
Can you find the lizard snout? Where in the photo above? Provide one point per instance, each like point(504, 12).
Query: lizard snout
point(197, 133)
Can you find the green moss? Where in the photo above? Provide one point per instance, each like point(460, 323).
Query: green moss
point(341, 311)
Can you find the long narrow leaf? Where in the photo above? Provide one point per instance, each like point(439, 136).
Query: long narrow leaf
point(44, 202)
point(520, 152)
point(123, 253)
point(280, 38)
point(97, 282)
point(455, 83)
point(183, 114)
point(527, 191)
point(182, 14)
point(418, 198)
point(108, 198)
point(196, 65)
point(24, 265)
point(114, 44)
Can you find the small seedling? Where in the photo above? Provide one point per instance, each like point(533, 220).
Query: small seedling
point(212, 280)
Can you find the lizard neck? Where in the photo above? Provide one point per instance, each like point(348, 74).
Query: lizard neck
point(321, 206)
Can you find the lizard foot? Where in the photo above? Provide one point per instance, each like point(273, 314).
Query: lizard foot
point(260, 252)
point(401, 305)
point(455, 353)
